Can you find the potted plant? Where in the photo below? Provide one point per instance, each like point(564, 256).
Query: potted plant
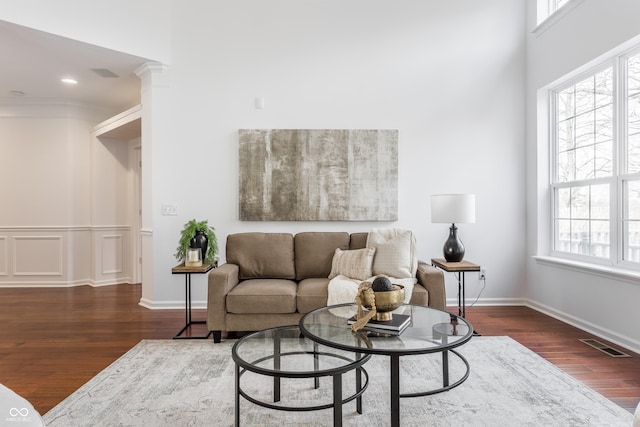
point(188, 234)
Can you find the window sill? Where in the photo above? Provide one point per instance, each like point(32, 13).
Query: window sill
point(556, 16)
point(593, 269)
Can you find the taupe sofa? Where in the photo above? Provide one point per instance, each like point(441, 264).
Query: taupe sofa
point(273, 279)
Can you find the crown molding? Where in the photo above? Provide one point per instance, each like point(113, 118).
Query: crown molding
point(47, 108)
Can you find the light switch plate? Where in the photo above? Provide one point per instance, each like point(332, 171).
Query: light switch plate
point(169, 209)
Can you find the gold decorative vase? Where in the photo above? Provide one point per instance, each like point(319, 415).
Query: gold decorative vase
point(386, 302)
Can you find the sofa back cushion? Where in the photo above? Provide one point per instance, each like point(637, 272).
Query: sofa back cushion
point(262, 255)
point(395, 252)
point(314, 252)
point(358, 240)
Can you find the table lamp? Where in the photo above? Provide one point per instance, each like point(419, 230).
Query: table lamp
point(453, 208)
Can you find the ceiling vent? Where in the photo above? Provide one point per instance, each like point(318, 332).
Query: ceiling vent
point(103, 72)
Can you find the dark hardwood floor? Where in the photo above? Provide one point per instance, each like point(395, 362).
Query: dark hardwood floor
point(53, 340)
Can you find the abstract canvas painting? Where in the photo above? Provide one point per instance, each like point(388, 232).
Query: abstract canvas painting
point(318, 175)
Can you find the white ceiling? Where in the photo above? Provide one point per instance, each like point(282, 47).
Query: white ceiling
point(33, 62)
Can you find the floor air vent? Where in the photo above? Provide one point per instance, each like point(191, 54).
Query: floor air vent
point(604, 348)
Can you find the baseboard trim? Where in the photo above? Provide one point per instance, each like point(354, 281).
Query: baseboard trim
point(171, 305)
point(110, 282)
point(64, 284)
point(604, 333)
point(453, 302)
point(47, 284)
point(591, 328)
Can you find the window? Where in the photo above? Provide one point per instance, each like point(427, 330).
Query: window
point(550, 11)
point(596, 163)
point(556, 4)
point(631, 182)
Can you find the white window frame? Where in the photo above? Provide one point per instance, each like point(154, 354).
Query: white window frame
point(617, 61)
point(547, 16)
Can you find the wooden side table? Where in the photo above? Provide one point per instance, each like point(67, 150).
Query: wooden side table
point(188, 271)
point(461, 268)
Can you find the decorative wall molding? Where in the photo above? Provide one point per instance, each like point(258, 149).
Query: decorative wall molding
point(41, 108)
point(112, 254)
point(44, 228)
point(43, 283)
point(37, 256)
point(111, 227)
point(3, 256)
point(58, 228)
point(117, 121)
point(63, 256)
point(109, 282)
point(112, 263)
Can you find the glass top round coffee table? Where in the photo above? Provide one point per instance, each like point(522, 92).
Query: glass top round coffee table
point(283, 352)
point(429, 331)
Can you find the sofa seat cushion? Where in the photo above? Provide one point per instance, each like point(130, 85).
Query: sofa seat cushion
point(312, 294)
point(262, 296)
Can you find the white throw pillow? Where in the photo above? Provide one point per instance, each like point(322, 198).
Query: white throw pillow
point(355, 264)
point(395, 252)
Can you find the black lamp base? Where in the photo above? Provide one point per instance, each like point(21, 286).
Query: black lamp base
point(453, 247)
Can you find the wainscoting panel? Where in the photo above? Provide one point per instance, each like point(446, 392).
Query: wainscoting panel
point(37, 256)
point(112, 253)
point(112, 258)
point(64, 256)
point(3, 256)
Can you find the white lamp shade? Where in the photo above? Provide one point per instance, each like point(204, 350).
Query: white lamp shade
point(453, 208)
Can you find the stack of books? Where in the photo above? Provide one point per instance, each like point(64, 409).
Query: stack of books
point(395, 326)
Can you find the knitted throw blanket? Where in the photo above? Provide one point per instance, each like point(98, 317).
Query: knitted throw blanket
point(343, 290)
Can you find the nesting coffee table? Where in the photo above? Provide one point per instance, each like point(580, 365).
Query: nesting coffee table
point(285, 353)
point(430, 331)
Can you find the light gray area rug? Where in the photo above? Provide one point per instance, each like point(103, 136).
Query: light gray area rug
point(191, 383)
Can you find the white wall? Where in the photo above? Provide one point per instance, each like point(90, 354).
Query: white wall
point(45, 171)
point(140, 27)
point(599, 303)
point(449, 75)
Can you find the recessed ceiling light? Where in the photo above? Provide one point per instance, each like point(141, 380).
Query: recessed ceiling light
point(69, 81)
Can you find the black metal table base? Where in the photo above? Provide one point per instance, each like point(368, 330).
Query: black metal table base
point(446, 386)
point(462, 305)
point(179, 336)
point(187, 314)
point(336, 374)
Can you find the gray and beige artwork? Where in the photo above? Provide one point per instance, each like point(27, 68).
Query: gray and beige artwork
point(318, 175)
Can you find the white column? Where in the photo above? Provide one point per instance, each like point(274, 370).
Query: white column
point(155, 121)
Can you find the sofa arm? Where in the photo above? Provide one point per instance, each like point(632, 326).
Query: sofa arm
point(221, 281)
point(433, 281)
